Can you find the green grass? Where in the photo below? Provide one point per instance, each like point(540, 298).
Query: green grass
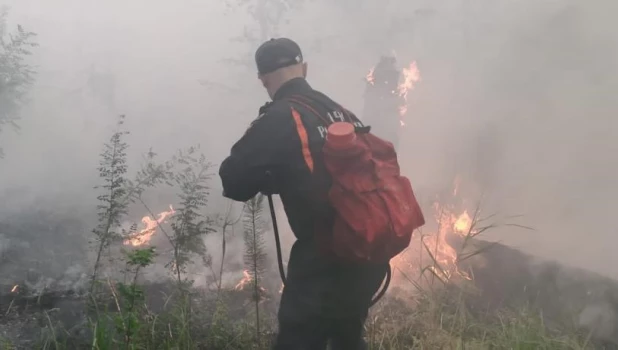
point(441, 320)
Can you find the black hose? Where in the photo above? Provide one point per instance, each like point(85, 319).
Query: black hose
point(387, 281)
point(277, 240)
point(280, 259)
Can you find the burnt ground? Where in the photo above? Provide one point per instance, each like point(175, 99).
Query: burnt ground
point(40, 274)
point(29, 320)
point(49, 300)
point(43, 280)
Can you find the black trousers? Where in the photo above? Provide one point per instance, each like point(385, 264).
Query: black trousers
point(324, 301)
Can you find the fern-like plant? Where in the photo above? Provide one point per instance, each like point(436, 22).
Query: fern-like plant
point(225, 222)
point(255, 255)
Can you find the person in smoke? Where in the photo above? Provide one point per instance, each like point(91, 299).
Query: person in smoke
point(382, 100)
point(280, 153)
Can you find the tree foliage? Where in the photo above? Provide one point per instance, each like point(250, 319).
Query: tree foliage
point(190, 175)
point(113, 203)
point(118, 192)
point(268, 16)
point(16, 74)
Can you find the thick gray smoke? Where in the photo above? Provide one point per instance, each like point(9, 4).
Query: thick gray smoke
point(515, 99)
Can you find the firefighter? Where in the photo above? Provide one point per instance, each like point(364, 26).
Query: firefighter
point(382, 100)
point(280, 153)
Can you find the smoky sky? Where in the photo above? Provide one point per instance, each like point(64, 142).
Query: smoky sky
point(516, 98)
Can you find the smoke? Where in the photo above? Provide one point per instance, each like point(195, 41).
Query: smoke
point(535, 132)
point(516, 99)
point(520, 110)
point(599, 317)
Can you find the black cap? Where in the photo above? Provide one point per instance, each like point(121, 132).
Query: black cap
point(277, 53)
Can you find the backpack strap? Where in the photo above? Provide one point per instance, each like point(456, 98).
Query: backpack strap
point(304, 139)
point(302, 132)
point(300, 128)
point(346, 112)
point(306, 106)
point(306, 103)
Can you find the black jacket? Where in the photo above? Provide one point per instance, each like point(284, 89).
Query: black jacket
point(278, 144)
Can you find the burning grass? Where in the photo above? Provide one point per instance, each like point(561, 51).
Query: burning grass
point(437, 300)
point(434, 303)
point(441, 297)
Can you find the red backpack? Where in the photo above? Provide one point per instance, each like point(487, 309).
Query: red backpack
point(376, 210)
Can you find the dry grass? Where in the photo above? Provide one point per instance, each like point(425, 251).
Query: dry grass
point(444, 320)
point(443, 313)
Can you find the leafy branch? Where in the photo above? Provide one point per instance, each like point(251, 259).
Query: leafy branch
point(129, 296)
point(119, 192)
point(189, 225)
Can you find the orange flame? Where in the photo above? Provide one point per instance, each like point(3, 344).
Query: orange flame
point(411, 75)
point(150, 227)
point(436, 255)
point(444, 254)
point(369, 77)
point(246, 279)
point(463, 223)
